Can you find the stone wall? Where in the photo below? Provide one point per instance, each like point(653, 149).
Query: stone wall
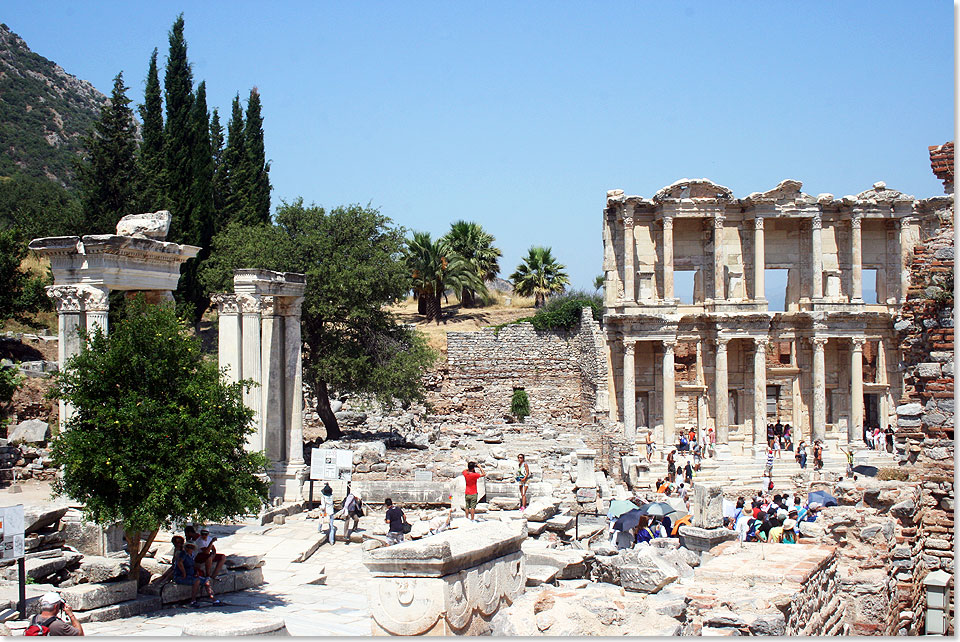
point(925, 428)
point(563, 372)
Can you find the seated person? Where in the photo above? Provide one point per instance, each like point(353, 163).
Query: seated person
point(184, 572)
point(207, 555)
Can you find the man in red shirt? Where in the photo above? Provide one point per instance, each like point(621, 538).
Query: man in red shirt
point(471, 475)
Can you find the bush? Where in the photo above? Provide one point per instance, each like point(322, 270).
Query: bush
point(563, 312)
point(520, 404)
point(889, 474)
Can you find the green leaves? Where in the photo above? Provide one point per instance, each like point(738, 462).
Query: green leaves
point(539, 275)
point(434, 268)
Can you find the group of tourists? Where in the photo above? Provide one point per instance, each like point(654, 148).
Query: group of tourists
point(774, 520)
point(877, 438)
point(351, 510)
point(648, 528)
point(196, 562)
point(685, 468)
point(780, 437)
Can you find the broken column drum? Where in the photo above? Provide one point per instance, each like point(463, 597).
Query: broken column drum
point(773, 324)
point(259, 340)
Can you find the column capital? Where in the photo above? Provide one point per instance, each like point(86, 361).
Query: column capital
point(721, 343)
point(226, 303)
point(718, 221)
point(758, 223)
point(630, 343)
point(249, 303)
point(667, 221)
point(816, 222)
point(761, 343)
point(818, 342)
point(628, 221)
point(857, 343)
point(669, 344)
point(79, 298)
point(95, 299)
point(856, 216)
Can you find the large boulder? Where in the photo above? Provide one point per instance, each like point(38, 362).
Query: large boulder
point(94, 568)
point(151, 225)
point(649, 573)
point(85, 597)
point(31, 431)
point(36, 518)
point(542, 509)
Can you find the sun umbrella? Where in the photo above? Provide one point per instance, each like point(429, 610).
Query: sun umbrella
point(677, 503)
point(863, 469)
point(618, 507)
point(822, 497)
point(656, 509)
point(628, 520)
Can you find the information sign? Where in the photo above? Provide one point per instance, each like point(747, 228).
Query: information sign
point(12, 527)
point(329, 464)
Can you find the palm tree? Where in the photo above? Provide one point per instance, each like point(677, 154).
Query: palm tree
point(473, 243)
point(598, 281)
point(434, 269)
point(539, 275)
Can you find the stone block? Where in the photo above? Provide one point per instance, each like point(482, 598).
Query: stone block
point(768, 624)
point(151, 225)
point(228, 624)
point(707, 506)
point(560, 523)
point(40, 567)
point(540, 510)
point(94, 568)
point(137, 606)
point(928, 370)
point(31, 431)
point(538, 574)
point(910, 409)
point(536, 528)
point(247, 578)
point(723, 618)
point(647, 579)
point(243, 561)
point(89, 596)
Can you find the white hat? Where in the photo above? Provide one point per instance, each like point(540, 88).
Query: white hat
point(50, 599)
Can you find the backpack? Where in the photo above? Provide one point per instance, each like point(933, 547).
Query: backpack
point(39, 628)
point(357, 507)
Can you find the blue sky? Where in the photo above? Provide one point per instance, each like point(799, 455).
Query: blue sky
point(520, 115)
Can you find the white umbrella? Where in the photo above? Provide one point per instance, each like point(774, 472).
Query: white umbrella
point(677, 503)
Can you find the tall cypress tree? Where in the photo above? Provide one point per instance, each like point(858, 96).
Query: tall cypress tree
point(233, 164)
point(151, 149)
point(108, 174)
point(219, 172)
point(178, 148)
point(256, 186)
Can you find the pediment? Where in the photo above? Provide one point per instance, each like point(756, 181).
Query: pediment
point(693, 188)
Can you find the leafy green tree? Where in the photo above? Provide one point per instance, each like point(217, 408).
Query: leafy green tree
point(109, 175)
point(10, 380)
point(178, 136)
point(38, 207)
point(254, 184)
point(353, 260)
point(520, 404)
point(151, 149)
point(598, 282)
point(539, 275)
point(158, 436)
point(475, 245)
point(435, 268)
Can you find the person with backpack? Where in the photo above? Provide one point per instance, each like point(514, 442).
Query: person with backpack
point(326, 498)
point(644, 533)
point(48, 622)
point(351, 511)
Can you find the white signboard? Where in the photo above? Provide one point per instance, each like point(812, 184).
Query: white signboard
point(329, 464)
point(11, 526)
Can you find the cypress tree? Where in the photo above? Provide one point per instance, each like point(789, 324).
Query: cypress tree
point(256, 186)
point(178, 146)
point(108, 174)
point(233, 164)
point(219, 172)
point(151, 149)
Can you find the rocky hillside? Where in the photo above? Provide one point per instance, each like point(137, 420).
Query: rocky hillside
point(44, 111)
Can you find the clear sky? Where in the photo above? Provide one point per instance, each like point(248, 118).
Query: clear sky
point(520, 115)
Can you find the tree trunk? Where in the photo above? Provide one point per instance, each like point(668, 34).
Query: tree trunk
point(136, 551)
point(467, 298)
point(433, 309)
point(539, 300)
point(326, 414)
point(421, 304)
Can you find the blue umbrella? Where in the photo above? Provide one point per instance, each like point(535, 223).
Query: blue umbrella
point(657, 509)
point(821, 497)
point(628, 520)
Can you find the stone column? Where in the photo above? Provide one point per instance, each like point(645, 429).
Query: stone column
point(228, 336)
point(718, 259)
point(855, 427)
point(720, 391)
point(272, 375)
point(759, 260)
point(818, 421)
point(68, 300)
point(293, 379)
point(856, 259)
point(96, 306)
point(760, 391)
point(668, 258)
point(816, 225)
point(250, 363)
point(669, 392)
point(629, 390)
point(629, 266)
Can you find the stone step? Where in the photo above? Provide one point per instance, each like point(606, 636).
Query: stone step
point(538, 574)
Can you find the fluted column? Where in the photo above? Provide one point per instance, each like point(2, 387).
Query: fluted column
point(669, 392)
point(855, 427)
point(68, 300)
point(96, 307)
point(856, 259)
point(759, 260)
point(760, 391)
point(721, 392)
point(629, 266)
point(271, 372)
point(293, 379)
point(718, 259)
point(250, 327)
point(816, 225)
point(229, 347)
point(629, 390)
point(668, 257)
point(819, 420)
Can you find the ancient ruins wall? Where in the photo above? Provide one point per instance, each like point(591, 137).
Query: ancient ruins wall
point(925, 430)
point(563, 373)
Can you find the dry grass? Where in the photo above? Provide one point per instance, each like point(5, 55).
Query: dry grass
point(455, 318)
point(34, 264)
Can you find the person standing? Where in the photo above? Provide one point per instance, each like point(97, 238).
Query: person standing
point(818, 455)
point(471, 475)
point(523, 478)
point(671, 466)
point(649, 442)
point(768, 469)
point(849, 454)
point(889, 433)
point(326, 499)
point(688, 474)
point(394, 519)
point(802, 454)
point(350, 513)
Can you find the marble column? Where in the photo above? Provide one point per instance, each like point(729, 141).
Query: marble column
point(96, 307)
point(668, 258)
point(669, 393)
point(759, 260)
point(228, 336)
point(816, 225)
point(629, 265)
point(855, 427)
point(718, 259)
point(818, 421)
point(629, 390)
point(68, 300)
point(856, 258)
point(293, 379)
point(760, 391)
point(721, 392)
point(272, 379)
point(250, 332)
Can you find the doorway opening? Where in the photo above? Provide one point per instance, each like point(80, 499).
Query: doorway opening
point(775, 288)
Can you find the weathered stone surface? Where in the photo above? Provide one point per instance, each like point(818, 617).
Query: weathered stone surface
point(540, 510)
point(41, 567)
point(560, 523)
point(152, 225)
point(723, 618)
point(228, 624)
point(36, 518)
point(243, 561)
point(538, 574)
point(929, 370)
point(707, 506)
point(905, 508)
point(647, 579)
point(141, 604)
point(772, 623)
point(85, 597)
point(95, 568)
point(29, 432)
point(909, 409)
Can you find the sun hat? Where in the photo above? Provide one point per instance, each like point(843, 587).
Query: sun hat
point(50, 599)
point(789, 525)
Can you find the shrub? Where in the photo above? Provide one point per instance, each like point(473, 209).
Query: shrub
point(520, 404)
point(889, 474)
point(563, 312)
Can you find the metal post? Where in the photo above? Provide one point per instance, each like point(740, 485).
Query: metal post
point(22, 604)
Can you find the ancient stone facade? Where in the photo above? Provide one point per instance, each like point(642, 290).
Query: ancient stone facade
point(563, 373)
point(827, 363)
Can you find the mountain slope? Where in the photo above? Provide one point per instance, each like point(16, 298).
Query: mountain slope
point(44, 111)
